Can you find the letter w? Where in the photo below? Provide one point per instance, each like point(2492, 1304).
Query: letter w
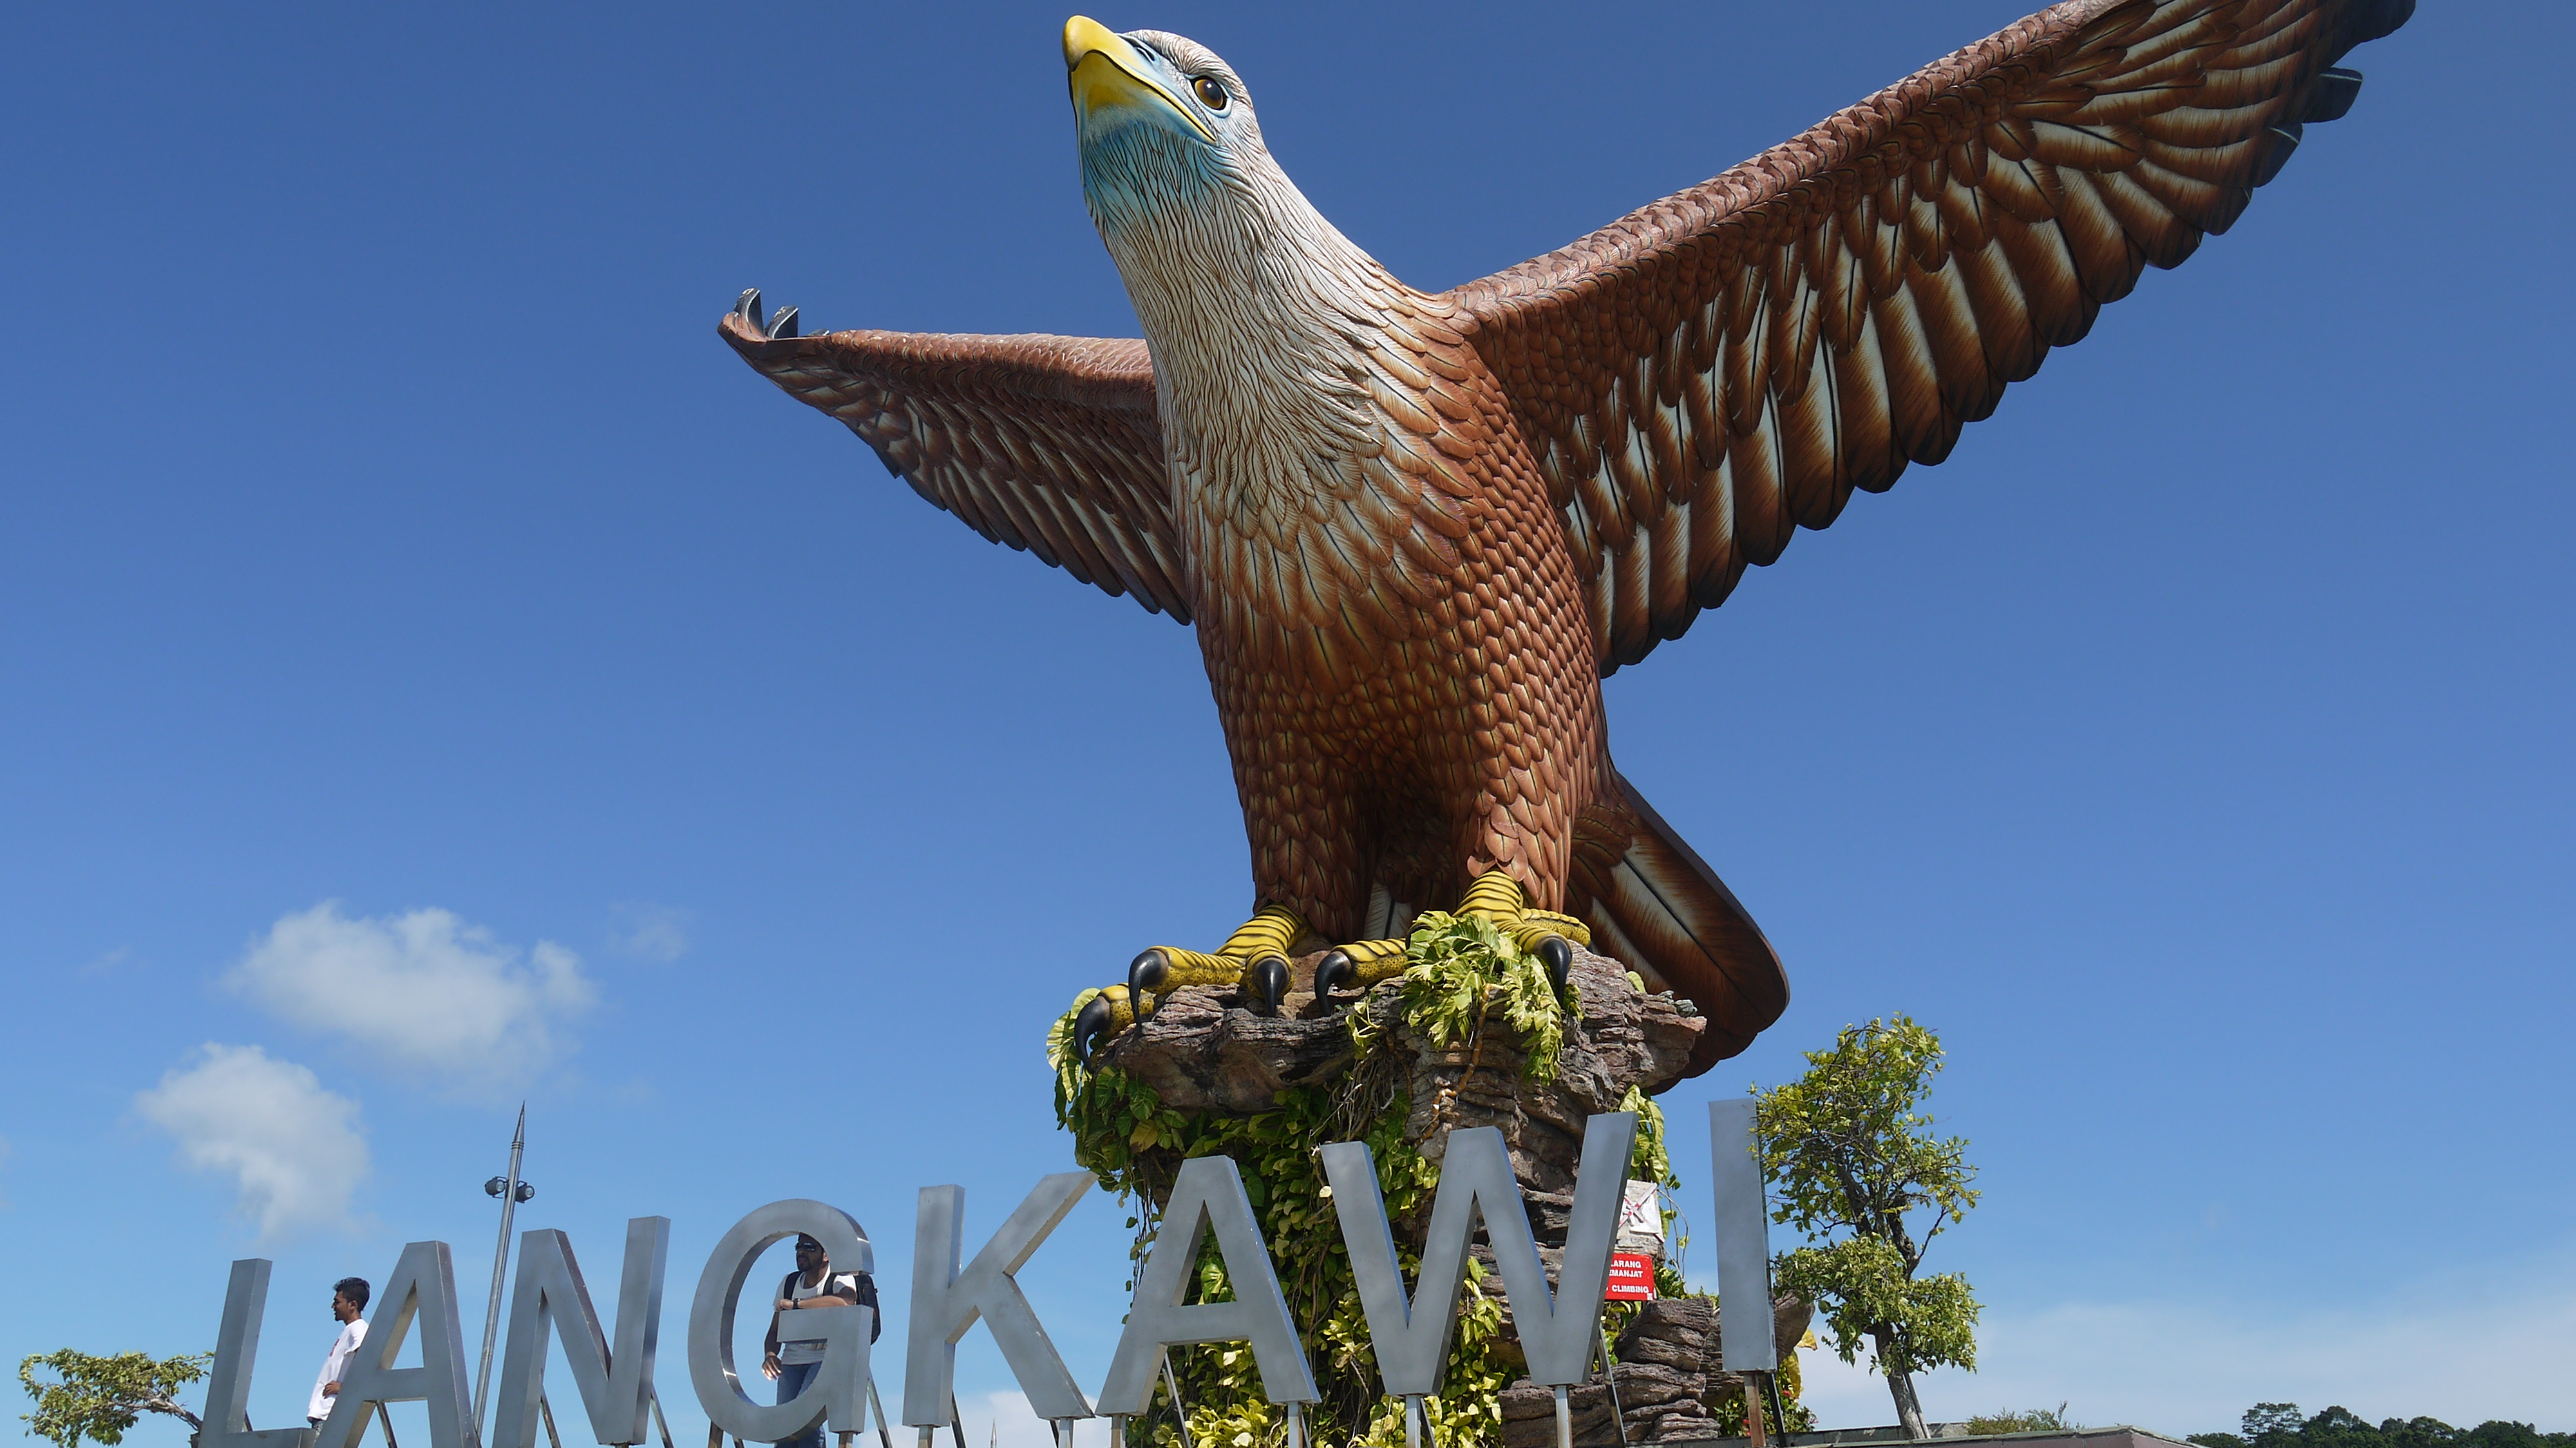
point(1559, 1331)
point(616, 1387)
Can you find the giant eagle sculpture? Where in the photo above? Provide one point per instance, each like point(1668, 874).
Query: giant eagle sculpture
point(1415, 530)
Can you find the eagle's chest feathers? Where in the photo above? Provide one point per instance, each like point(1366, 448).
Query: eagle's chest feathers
point(1325, 433)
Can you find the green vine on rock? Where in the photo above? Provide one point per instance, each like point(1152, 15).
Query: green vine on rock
point(1134, 1144)
point(1462, 978)
point(1459, 968)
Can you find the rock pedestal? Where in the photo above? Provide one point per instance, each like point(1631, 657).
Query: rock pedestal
point(1206, 1051)
point(1667, 1384)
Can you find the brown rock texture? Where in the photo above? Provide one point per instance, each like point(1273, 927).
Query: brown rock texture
point(1205, 1050)
point(1668, 1383)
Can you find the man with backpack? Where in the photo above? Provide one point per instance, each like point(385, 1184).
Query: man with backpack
point(791, 1361)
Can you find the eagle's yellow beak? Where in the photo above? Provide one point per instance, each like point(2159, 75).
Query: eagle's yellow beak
point(1105, 72)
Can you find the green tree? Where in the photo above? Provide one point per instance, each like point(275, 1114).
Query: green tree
point(98, 1398)
point(1853, 1165)
point(2273, 1425)
point(2022, 1420)
point(2282, 1425)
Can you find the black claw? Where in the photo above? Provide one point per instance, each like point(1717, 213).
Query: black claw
point(1089, 1028)
point(1558, 957)
point(783, 325)
point(747, 307)
point(1145, 976)
point(1269, 977)
point(1332, 971)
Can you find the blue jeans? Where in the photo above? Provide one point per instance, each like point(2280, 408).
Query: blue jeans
point(792, 1378)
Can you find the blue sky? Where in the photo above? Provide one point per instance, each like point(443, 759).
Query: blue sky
point(398, 576)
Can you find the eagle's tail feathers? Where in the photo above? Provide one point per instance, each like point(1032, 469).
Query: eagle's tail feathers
point(1654, 903)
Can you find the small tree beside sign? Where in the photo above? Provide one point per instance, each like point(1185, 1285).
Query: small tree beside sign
point(1854, 1167)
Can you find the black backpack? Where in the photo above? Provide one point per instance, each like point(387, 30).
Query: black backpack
point(862, 1286)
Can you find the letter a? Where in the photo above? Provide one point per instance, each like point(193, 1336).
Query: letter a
point(423, 1286)
point(616, 1387)
point(1208, 1196)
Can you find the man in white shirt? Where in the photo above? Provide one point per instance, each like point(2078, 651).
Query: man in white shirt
point(793, 1361)
point(348, 1299)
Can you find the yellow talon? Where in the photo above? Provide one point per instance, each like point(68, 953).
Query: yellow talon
point(1537, 925)
point(1185, 967)
point(1494, 896)
point(1498, 898)
point(1543, 933)
point(1103, 1016)
point(1254, 957)
point(1270, 931)
point(1363, 964)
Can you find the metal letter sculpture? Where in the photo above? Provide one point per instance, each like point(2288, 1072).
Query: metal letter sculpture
point(1409, 1339)
point(1558, 1331)
point(839, 1389)
point(616, 1386)
point(236, 1349)
point(423, 1288)
point(946, 1302)
point(1742, 1226)
point(1415, 530)
point(1207, 1196)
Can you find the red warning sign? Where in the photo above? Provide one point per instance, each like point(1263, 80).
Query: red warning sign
point(1632, 1278)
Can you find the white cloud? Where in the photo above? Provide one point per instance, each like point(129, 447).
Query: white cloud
point(644, 931)
point(2463, 1347)
point(295, 1151)
point(424, 991)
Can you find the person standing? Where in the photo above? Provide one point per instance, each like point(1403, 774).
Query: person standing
point(348, 1303)
point(790, 1361)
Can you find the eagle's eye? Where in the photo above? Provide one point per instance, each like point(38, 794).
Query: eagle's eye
point(1211, 92)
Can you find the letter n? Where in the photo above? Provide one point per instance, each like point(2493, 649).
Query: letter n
point(616, 1386)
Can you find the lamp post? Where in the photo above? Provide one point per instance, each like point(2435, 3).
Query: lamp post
point(511, 1191)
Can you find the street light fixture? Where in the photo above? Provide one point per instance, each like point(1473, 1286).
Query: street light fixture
point(511, 1191)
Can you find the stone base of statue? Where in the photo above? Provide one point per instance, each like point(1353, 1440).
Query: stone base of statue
point(1666, 1387)
point(1204, 1050)
point(1225, 1077)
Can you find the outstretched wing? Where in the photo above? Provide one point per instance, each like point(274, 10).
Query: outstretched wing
point(1048, 444)
point(1707, 374)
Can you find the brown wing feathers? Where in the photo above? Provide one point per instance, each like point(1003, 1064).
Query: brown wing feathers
point(1047, 444)
point(1706, 375)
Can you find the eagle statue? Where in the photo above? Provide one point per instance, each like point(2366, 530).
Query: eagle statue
point(1415, 530)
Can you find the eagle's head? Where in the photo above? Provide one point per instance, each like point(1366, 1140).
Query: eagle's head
point(1169, 141)
point(1256, 307)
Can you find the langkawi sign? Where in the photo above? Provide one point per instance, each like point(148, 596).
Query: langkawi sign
point(1410, 1334)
